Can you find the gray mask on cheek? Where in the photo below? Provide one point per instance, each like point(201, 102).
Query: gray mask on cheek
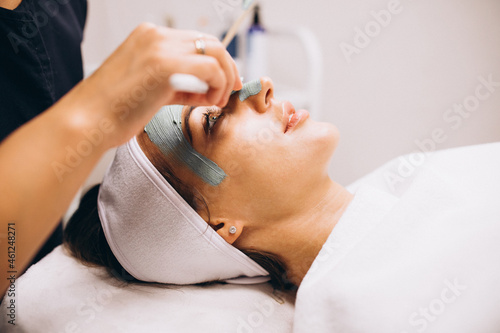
point(165, 131)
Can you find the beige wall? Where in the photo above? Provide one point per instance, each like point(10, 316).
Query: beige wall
point(397, 90)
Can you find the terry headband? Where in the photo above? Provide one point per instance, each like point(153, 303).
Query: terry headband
point(156, 236)
point(165, 131)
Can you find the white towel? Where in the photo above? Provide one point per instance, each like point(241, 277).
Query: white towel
point(426, 260)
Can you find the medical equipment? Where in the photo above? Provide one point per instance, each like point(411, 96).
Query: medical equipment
point(257, 49)
point(192, 84)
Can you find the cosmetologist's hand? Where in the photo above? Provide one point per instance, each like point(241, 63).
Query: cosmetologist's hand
point(132, 84)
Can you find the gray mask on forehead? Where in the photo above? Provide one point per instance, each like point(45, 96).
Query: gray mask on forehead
point(165, 131)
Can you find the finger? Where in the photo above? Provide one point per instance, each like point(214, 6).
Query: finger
point(233, 76)
point(213, 47)
point(206, 69)
point(237, 79)
point(189, 98)
point(219, 52)
point(237, 83)
point(184, 98)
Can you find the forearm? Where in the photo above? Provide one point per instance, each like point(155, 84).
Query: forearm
point(43, 165)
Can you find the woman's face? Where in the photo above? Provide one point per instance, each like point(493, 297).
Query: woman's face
point(272, 161)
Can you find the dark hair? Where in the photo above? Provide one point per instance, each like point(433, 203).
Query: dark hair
point(84, 237)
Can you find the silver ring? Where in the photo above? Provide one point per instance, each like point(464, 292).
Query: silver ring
point(200, 45)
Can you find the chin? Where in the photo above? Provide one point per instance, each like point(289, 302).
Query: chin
point(314, 152)
point(319, 141)
point(325, 136)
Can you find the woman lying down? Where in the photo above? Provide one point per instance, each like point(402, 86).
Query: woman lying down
point(242, 195)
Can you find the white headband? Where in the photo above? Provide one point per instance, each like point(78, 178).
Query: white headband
point(156, 236)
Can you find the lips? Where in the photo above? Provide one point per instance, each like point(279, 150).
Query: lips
point(291, 117)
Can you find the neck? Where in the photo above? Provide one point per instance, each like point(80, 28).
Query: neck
point(300, 238)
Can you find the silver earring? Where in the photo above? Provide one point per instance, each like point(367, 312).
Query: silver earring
point(232, 230)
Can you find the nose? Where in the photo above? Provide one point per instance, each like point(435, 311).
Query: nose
point(261, 102)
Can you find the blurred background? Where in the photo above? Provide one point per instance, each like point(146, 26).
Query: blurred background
point(387, 73)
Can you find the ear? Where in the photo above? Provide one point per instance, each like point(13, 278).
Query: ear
point(223, 227)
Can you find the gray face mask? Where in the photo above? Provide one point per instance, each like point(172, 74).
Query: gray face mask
point(249, 89)
point(165, 131)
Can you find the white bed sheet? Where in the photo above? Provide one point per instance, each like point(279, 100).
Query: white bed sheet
point(59, 294)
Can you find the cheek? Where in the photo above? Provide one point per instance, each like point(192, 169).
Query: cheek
point(311, 147)
point(249, 146)
point(262, 146)
point(266, 173)
point(259, 156)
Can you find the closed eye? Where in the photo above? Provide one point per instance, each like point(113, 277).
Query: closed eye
point(211, 116)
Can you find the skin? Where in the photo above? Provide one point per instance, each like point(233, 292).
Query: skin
point(34, 195)
point(10, 4)
point(277, 192)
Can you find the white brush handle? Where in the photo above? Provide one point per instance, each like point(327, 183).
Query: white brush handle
point(188, 83)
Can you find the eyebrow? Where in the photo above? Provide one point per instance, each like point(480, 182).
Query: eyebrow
point(186, 121)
